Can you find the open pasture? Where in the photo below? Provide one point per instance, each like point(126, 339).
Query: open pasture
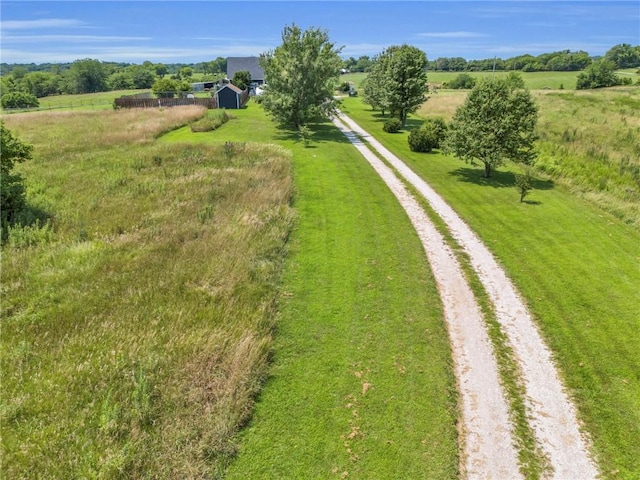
point(122, 306)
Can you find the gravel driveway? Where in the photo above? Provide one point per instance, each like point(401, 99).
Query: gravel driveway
point(487, 446)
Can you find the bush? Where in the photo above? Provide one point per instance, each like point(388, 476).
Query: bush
point(462, 81)
point(345, 87)
point(19, 100)
point(165, 88)
point(428, 136)
point(12, 192)
point(211, 122)
point(393, 125)
point(599, 74)
point(524, 183)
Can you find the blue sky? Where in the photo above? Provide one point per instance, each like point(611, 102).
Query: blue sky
point(195, 31)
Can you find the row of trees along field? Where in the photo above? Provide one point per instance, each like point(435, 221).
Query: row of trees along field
point(30, 82)
point(622, 56)
point(90, 76)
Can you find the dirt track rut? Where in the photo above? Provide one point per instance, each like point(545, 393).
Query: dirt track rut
point(487, 439)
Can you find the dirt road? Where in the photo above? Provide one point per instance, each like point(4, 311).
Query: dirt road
point(488, 448)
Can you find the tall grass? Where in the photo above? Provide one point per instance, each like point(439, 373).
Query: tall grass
point(588, 141)
point(136, 332)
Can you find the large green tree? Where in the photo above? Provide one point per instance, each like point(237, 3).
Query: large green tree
point(495, 123)
point(301, 75)
point(242, 79)
point(398, 80)
point(624, 56)
point(12, 193)
point(87, 76)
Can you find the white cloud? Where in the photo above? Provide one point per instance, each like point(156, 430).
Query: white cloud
point(452, 35)
point(68, 38)
point(132, 55)
point(42, 23)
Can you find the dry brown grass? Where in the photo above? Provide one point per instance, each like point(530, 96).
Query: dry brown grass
point(72, 131)
point(442, 104)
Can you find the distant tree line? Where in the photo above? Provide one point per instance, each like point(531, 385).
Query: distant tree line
point(21, 85)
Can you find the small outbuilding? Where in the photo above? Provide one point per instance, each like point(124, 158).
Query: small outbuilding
point(230, 96)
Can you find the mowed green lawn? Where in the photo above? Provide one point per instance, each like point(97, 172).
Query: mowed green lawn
point(578, 269)
point(361, 382)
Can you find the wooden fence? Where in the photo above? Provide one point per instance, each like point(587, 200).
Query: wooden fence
point(131, 102)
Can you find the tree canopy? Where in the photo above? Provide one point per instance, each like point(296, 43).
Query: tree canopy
point(495, 123)
point(398, 81)
point(599, 74)
point(87, 76)
point(12, 193)
point(301, 75)
point(242, 79)
point(624, 56)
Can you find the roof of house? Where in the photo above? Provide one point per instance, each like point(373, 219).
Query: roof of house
point(232, 87)
point(240, 64)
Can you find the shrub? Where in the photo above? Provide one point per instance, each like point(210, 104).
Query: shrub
point(428, 136)
point(524, 183)
point(305, 134)
point(165, 88)
point(393, 125)
point(463, 81)
point(12, 191)
point(599, 74)
point(211, 122)
point(345, 87)
point(19, 100)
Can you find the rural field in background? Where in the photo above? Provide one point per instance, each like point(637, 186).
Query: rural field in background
point(139, 322)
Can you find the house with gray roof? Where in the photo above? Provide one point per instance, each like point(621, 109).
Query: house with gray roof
point(248, 64)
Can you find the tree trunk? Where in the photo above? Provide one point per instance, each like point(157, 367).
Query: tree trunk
point(487, 169)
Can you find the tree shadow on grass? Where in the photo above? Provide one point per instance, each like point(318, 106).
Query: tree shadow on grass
point(29, 226)
point(410, 124)
point(324, 132)
point(498, 179)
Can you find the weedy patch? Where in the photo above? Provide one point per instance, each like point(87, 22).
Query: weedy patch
point(137, 323)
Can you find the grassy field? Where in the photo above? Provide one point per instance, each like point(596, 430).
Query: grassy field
point(129, 350)
point(88, 101)
point(577, 267)
point(533, 80)
point(137, 323)
point(138, 328)
point(589, 141)
point(361, 381)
